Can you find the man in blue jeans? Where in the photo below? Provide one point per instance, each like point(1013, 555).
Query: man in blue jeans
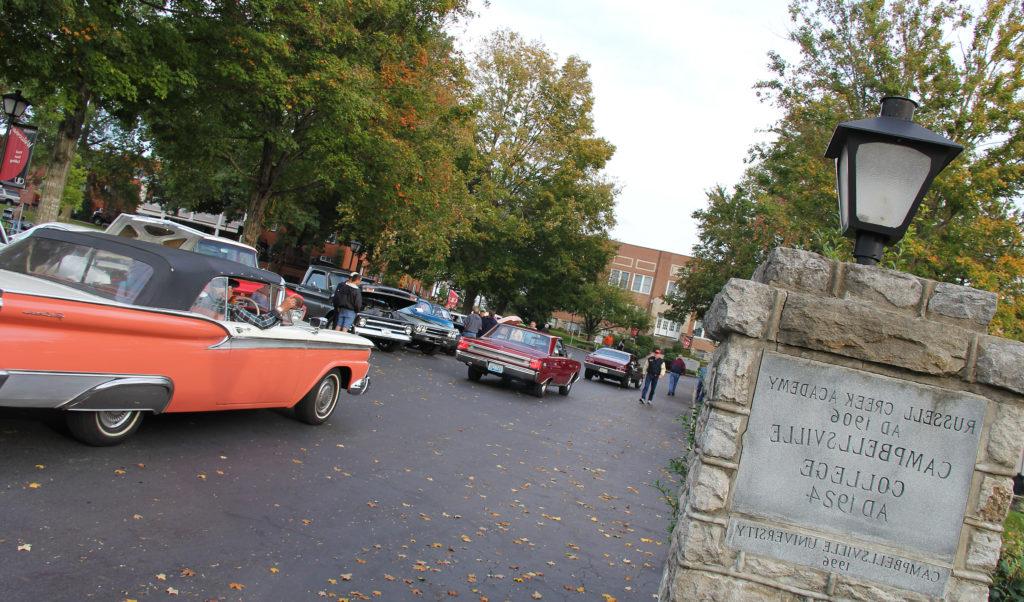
point(348, 301)
point(655, 368)
point(675, 370)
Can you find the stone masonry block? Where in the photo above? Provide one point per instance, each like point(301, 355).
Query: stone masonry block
point(890, 288)
point(961, 590)
point(732, 369)
point(718, 437)
point(854, 589)
point(1006, 435)
point(699, 586)
point(786, 572)
point(859, 330)
point(983, 551)
point(795, 270)
point(994, 499)
point(964, 306)
point(741, 306)
point(710, 489)
point(1001, 363)
point(702, 542)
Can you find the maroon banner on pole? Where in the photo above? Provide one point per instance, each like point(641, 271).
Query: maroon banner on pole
point(21, 139)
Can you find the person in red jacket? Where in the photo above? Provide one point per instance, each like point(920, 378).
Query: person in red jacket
point(675, 370)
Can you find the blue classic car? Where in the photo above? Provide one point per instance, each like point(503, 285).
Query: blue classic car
point(431, 327)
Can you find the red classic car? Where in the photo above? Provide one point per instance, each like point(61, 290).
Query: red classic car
point(614, 364)
point(107, 329)
point(516, 353)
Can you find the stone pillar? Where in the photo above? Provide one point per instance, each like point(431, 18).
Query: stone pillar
point(857, 442)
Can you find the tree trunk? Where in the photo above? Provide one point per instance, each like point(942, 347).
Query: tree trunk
point(68, 133)
point(259, 198)
point(467, 303)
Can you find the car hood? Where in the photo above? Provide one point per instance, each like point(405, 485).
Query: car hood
point(426, 319)
point(394, 300)
point(606, 361)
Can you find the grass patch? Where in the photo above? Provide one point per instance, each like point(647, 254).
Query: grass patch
point(1008, 580)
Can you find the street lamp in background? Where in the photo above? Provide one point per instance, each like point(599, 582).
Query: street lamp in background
point(15, 106)
point(356, 247)
point(884, 167)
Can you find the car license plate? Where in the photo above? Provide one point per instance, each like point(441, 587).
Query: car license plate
point(605, 370)
point(495, 368)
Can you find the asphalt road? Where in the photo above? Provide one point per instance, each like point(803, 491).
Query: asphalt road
point(428, 487)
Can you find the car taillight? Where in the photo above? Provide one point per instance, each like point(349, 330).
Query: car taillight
point(463, 345)
point(535, 364)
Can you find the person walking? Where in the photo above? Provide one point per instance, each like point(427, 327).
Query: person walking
point(675, 370)
point(655, 368)
point(473, 324)
point(348, 301)
point(487, 322)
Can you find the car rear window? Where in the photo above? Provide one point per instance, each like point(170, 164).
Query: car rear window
point(618, 356)
point(97, 271)
point(215, 248)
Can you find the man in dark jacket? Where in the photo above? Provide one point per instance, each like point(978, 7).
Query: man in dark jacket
point(348, 301)
point(655, 368)
point(487, 323)
point(677, 369)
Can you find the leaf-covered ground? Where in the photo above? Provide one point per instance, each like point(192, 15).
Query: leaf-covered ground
point(428, 487)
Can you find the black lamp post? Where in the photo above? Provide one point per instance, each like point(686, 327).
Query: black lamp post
point(15, 106)
point(356, 246)
point(884, 167)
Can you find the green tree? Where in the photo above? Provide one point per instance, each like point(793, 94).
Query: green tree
point(309, 103)
point(967, 70)
point(74, 57)
point(542, 209)
point(602, 305)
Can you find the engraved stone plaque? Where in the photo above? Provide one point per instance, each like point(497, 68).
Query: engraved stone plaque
point(843, 451)
point(837, 557)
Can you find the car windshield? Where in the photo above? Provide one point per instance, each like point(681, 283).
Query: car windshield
point(97, 271)
point(522, 336)
point(216, 248)
point(255, 297)
point(619, 356)
point(441, 312)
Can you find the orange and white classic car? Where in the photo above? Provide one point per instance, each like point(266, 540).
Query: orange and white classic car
point(107, 329)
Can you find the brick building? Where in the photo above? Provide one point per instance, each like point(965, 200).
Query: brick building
point(650, 274)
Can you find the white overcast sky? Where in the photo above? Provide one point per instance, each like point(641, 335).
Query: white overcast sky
point(673, 92)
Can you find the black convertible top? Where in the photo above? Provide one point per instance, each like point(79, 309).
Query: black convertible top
point(178, 276)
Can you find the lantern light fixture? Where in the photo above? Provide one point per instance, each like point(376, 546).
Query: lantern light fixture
point(884, 167)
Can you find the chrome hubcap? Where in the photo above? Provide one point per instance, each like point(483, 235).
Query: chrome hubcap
point(325, 397)
point(114, 420)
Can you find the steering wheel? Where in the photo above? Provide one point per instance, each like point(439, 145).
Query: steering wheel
point(240, 300)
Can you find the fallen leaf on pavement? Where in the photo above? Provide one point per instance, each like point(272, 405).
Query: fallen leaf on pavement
point(274, 570)
point(161, 576)
point(536, 595)
point(120, 471)
point(34, 485)
point(171, 591)
point(466, 538)
point(187, 573)
point(389, 577)
point(346, 576)
point(137, 516)
point(608, 598)
point(40, 466)
point(236, 586)
point(25, 547)
point(453, 593)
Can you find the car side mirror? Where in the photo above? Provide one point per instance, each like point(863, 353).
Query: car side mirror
point(318, 323)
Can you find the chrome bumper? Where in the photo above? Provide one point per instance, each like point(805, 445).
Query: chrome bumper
point(603, 369)
point(84, 391)
point(509, 370)
point(377, 333)
point(360, 386)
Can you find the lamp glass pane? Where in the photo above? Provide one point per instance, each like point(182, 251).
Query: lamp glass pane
point(889, 176)
point(9, 102)
point(843, 186)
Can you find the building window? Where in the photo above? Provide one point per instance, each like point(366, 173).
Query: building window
point(642, 284)
point(698, 329)
point(667, 328)
point(618, 278)
point(671, 288)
